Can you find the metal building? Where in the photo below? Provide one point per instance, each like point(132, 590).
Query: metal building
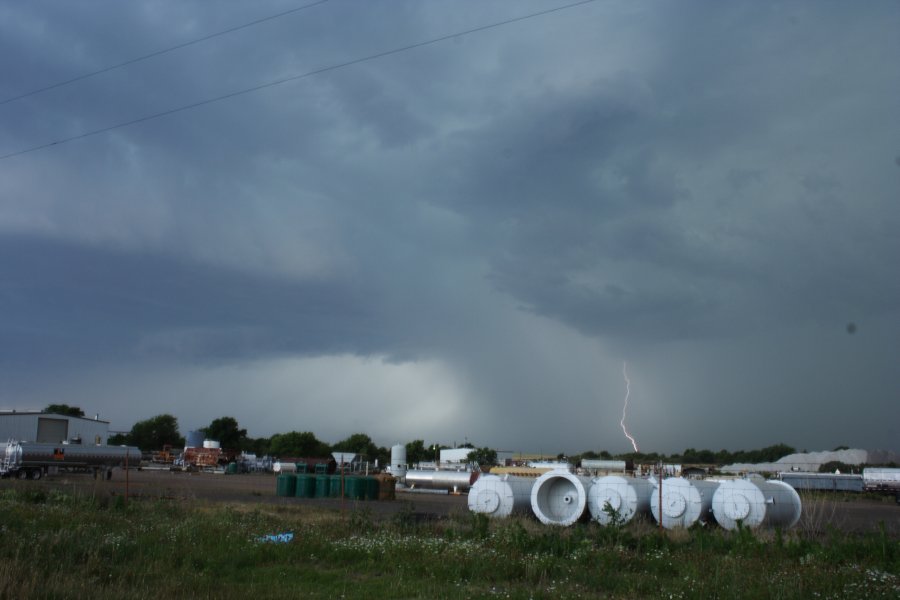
point(36, 426)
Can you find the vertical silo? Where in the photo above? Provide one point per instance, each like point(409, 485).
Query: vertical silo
point(398, 462)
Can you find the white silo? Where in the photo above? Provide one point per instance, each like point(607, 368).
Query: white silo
point(398, 462)
point(500, 496)
point(626, 495)
point(559, 498)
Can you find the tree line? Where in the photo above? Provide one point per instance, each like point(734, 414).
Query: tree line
point(161, 430)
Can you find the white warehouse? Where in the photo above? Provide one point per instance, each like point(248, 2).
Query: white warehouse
point(51, 428)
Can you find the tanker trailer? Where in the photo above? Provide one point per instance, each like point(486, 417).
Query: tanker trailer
point(26, 460)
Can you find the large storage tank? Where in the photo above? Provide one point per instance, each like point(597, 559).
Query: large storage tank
point(497, 496)
point(398, 461)
point(628, 496)
point(783, 506)
point(683, 502)
point(559, 498)
point(738, 500)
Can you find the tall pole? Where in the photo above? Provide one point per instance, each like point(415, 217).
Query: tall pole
point(127, 452)
point(660, 477)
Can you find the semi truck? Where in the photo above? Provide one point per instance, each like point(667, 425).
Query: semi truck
point(33, 460)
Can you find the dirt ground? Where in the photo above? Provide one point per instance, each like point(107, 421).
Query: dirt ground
point(855, 515)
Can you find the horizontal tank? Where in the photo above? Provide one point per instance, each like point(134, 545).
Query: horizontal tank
point(604, 465)
point(40, 454)
point(211, 444)
point(783, 505)
point(284, 467)
point(559, 498)
point(500, 497)
point(739, 501)
point(628, 496)
point(459, 481)
point(683, 502)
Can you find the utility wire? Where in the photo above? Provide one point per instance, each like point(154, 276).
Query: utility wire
point(276, 82)
point(161, 52)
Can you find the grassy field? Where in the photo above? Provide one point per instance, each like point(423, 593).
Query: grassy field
point(63, 545)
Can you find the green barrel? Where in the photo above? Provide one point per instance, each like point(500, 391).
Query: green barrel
point(323, 485)
point(372, 487)
point(355, 488)
point(306, 486)
point(286, 485)
point(231, 469)
point(335, 490)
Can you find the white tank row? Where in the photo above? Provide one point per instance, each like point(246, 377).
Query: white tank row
point(561, 498)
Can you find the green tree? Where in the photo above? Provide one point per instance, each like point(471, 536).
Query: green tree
point(118, 439)
point(482, 456)
point(225, 430)
point(64, 409)
point(358, 443)
point(298, 444)
point(417, 452)
point(156, 432)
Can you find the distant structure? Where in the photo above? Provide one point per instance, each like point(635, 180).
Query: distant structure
point(811, 461)
point(51, 428)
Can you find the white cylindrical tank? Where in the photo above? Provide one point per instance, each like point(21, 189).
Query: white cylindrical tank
point(284, 467)
point(398, 462)
point(683, 503)
point(738, 500)
point(559, 498)
point(211, 444)
point(500, 496)
point(756, 503)
point(627, 495)
point(455, 481)
point(707, 489)
point(783, 506)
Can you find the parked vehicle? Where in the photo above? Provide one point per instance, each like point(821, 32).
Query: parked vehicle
point(32, 460)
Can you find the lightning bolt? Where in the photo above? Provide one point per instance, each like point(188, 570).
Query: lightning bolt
point(625, 408)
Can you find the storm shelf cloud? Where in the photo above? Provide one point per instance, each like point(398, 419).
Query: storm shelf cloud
point(459, 240)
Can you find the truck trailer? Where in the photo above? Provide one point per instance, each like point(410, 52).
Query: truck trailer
point(33, 460)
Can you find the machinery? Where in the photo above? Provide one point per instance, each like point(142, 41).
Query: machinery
point(32, 460)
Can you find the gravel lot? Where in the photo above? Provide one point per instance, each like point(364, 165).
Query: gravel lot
point(857, 516)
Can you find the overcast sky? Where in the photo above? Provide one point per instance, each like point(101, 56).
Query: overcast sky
point(462, 241)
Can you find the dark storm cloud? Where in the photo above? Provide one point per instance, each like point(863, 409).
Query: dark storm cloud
point(467, 234)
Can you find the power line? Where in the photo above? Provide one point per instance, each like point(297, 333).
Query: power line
point(276, 82)
point(160, 52)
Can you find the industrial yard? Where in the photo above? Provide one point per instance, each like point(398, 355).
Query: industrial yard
point(186, 535)
point(844, 512)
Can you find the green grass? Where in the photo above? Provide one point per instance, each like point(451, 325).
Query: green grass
point(57, 545)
